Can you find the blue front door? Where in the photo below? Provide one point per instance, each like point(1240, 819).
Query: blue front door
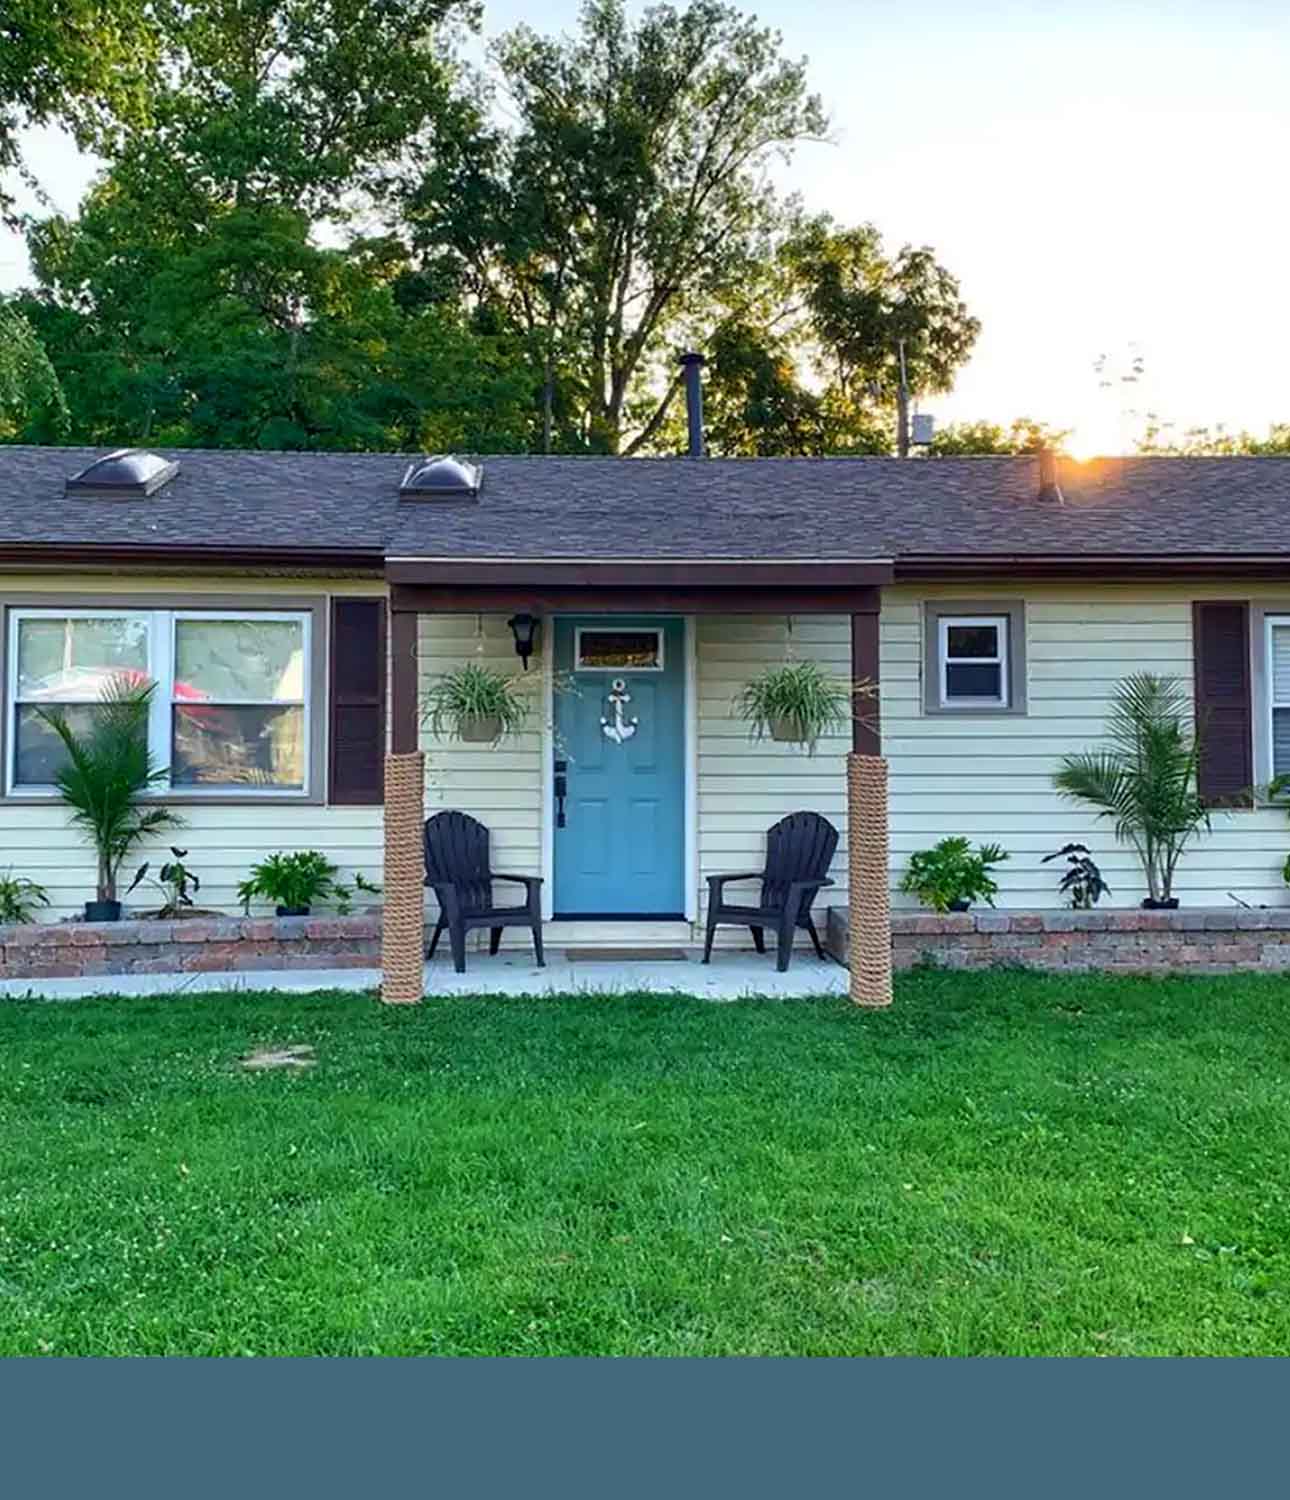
point(620, 749)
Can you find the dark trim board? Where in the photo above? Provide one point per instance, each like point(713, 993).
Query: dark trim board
point(590, 600)
point(583, 573)
point(866, 716)
point(1112, 568)
point(405, 717)
point(70, 558)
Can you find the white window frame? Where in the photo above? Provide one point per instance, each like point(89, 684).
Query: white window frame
point(162, 625)
point(655, 630)
point(1270, 624)
point(1000, 624)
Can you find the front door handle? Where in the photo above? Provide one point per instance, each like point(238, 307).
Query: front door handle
point(561, 791)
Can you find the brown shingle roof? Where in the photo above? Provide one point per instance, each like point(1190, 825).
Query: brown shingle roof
point(598, 508)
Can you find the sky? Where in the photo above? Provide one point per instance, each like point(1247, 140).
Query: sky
point(1106, 178)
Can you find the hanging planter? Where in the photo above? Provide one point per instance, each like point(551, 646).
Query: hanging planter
point(797, 703)
point(480, 729)
point(476, 705)
point(788, 731)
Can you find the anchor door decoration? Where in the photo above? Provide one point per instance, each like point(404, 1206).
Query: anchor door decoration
point(614, 722)
point(618, 767)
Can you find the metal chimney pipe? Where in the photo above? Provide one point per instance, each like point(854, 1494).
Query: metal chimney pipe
point(1049, 485)
point(693, 364)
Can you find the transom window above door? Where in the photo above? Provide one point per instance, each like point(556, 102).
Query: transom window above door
point(231, 708)
point(609, 650)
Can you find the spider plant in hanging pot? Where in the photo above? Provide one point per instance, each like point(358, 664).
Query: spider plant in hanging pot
point(474, 704)
point(798, 702)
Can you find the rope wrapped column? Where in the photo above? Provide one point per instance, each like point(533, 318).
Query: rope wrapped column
point(870, 925)
point(404, 924)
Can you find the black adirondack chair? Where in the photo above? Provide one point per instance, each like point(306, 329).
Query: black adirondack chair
point(799, 849)
point(459, 871)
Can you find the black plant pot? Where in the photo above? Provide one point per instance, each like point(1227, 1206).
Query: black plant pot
point(960, 905)
point(1150, 904)
point(102, 911)
point(292, 911)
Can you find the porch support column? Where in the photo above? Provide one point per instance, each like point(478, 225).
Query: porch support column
point(403, 924)
point(869, 955)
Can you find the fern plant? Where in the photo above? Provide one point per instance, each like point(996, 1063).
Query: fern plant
point(293, 882)
point(1144, 780)
point(950, 876)
point(798, 702)
point(107, 774)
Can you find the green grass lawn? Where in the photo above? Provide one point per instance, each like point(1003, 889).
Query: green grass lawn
point(1002, 1164)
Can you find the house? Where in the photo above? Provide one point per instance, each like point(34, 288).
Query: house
point(996, 602)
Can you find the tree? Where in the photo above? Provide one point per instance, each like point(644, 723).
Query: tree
point(253, 336)
point(628, 203)
point(33, 408)
point(86, 64)
point(304, 104)
point(1208, 442)
point(892, 327)
point(1024, 435)
point(191, 300)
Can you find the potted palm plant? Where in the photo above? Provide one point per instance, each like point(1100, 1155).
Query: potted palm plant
point(798, 702)
point(107, 774)
point(1144, 779)
point(474, 704)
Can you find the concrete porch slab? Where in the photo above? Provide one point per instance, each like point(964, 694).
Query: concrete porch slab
point(730, 976)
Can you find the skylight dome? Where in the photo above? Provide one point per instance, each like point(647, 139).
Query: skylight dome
point(441, 478)
point(128, 471)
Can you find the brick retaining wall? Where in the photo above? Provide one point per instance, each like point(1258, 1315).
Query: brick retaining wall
point(68, 950)
point(1192, 940)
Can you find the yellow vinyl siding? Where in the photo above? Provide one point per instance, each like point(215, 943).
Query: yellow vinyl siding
point(39, 842)
point(990, 777)
point(222, 844)
point(501, 787)
point(745, 786)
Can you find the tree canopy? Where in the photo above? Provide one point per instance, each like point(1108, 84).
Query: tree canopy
point(85, 64)
point(33, 408)
point(1215, 442)
point(318, 227)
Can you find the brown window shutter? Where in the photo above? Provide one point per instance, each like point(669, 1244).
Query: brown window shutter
point(356, 760)
point(1221, 632)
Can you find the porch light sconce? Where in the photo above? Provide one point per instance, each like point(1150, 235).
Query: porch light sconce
point(524, 629)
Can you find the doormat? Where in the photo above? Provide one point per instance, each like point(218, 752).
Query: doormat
point(626, 955)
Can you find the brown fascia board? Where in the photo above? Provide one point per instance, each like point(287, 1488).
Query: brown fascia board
point(1136, 567)
point(612, 573)
point(128, 555)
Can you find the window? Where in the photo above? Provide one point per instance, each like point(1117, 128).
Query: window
point(231, 712)
point(974, 656)
point(619, 650)
point(1278, 669)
